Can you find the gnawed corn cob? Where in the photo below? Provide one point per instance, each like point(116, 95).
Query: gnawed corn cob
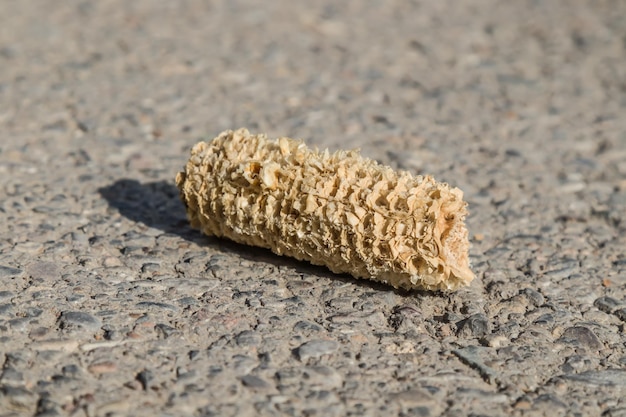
point(339, 210)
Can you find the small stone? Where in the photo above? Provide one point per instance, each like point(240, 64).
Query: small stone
point(582, 336)
point(102, 367)
point(112, 262)
point(18, 399)
point(152, 304)
point(50, 356)
point(38, 333)
point(19, 324)
point(522, 404)
point(43, 271)
point(32, 248)
point(559, 269)
point(407, 318)
point(575, 363)
point(145, 378)
point(5, 295)
point(6, 310)
point(607, 304)
point(244, 364)
point(32, 312)
point(609, 377)
point(546, 318)
point(476, 325)
point(534, 296)
point(305, 325)
point(253, 381)
point(248, 338)
point(114, 408)
point(615, 412)
point(19, 359)
point(56, 345)
point(7, 271)
point(620, 314)
point(70, 370)
point(11, 376)
point(471, 356)
point(150, 267)
point(48, 408)
point(187, 301)
point(548, 403)
point(494, 340)
point(317, 348)
point(413, 398)
point(166, 331)
point(451, 317)
point(78, 319)
point(183, 373)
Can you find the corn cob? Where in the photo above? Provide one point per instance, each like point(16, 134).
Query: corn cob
point(339, 210)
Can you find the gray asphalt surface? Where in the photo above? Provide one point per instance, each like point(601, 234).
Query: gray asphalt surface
point(111, 305)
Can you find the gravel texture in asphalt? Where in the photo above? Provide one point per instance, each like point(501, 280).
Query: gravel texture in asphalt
point(111, 305)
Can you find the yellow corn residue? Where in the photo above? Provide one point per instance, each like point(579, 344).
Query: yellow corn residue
point(338, 210)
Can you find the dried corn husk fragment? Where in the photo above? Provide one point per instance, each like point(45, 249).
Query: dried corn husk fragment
point(339, 210)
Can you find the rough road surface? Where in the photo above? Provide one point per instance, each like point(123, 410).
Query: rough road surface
point(111, 305)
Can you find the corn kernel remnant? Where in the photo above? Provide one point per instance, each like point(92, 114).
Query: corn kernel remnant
point(339, 210)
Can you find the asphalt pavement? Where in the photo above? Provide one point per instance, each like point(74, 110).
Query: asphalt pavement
point(112, 305)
